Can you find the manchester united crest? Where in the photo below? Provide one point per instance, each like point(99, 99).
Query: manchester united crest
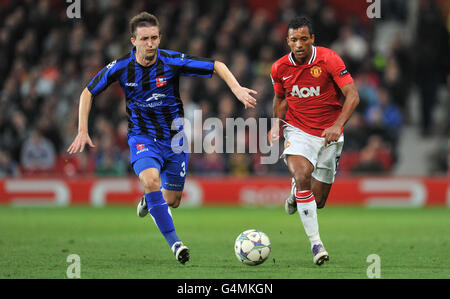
point(316, 71)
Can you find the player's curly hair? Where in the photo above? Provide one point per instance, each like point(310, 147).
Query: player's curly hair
point(142, 19)
point(301, 21)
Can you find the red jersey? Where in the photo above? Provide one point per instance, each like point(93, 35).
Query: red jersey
point(312, 90)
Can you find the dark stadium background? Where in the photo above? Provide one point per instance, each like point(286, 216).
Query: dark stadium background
point(391, 196)
point(396, 147)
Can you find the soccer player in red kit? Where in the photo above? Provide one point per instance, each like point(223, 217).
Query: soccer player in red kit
point(309, 84)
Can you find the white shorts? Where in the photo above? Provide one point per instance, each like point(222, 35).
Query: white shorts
point(324, 159)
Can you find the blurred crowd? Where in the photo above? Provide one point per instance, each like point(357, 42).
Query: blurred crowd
point(47, 59)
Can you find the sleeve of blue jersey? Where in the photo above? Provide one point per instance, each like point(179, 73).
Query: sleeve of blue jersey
point(104, 78)
point(188, 65)
point(196, 66)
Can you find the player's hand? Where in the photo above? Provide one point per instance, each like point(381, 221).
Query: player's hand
point(79, 143)
point(243, 95)
point(274, 133)
point(332, 134)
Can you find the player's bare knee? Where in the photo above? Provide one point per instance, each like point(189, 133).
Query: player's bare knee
point(150, 182)
point(302, 180)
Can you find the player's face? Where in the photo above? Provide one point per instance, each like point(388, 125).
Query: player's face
point(300, 41)
point(147, 41)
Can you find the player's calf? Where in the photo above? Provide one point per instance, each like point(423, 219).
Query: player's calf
point(321, 204)
point(173, 198)
point(174, 205)
point(321, 191)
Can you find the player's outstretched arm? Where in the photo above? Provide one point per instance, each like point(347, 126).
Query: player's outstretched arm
point(82, 137)
point(279, 111)
point(242, 93)
point(351, 101)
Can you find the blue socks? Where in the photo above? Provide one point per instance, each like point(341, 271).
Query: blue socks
point(159, 210)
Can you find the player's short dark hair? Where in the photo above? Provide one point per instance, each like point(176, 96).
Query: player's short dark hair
point(301, 21)
point(143, 19)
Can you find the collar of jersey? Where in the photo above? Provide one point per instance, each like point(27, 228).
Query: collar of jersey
point(133, 56)
point(311, 60)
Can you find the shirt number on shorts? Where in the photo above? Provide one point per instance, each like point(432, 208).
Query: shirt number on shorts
point(183, 172)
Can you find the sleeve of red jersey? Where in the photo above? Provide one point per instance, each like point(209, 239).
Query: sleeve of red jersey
point(276, 81)
point(338, 70)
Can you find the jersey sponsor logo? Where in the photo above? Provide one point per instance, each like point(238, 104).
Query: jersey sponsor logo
point(155, 96)
point(131, 84)
point(305, 92)
point(316, 71)
point(149, 105)
point(344, 72)
point(285, 78)
point(161, 81)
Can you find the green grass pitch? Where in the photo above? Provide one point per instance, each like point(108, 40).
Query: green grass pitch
point(112, 242)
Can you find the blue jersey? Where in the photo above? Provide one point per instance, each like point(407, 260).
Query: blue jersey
point(152, 93)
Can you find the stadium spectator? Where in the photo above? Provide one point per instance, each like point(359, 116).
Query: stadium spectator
point(37, 154)
point(14, 134)
point(351, 47)
point(396, 84)
point(355, 133)
point(384, 117)
point(432, 48)
point(239, 165)
point(8, 168)
point(82, 164)
point(212, 164)
point(372, 159)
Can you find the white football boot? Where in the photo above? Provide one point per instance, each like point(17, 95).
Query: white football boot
point(290, 205)
point(181, 252)
point(320, 255)
point(142, 210)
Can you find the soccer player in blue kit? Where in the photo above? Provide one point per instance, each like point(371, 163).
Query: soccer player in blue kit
point(149, 77)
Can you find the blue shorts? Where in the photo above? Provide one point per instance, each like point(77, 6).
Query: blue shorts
point(147, 152)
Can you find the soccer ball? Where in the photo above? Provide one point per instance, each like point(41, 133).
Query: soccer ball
point(252, 247)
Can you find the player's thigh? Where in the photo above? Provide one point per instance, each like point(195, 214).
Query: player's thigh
point(301, 169)
point(300, 154)
point(299, 143)
point(146, 160)
point(327, 162)
point(325, 171)
point(148, 170)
